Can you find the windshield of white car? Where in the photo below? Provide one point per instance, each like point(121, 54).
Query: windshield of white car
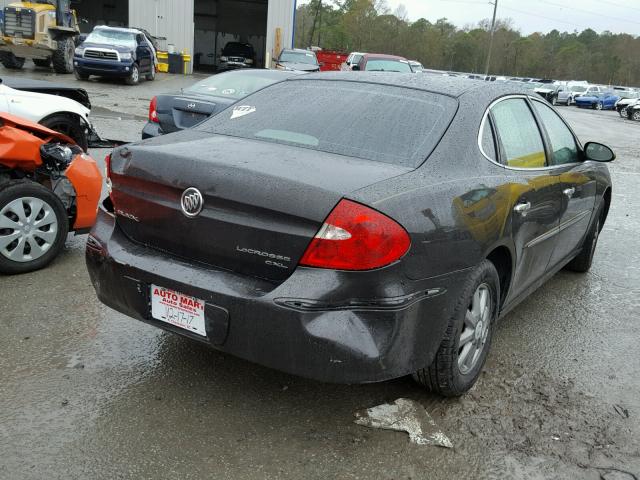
point(299, 57)
point(112, 37)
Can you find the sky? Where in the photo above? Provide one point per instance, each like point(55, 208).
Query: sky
point(617, 16)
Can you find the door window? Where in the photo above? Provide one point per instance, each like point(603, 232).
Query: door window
point(563, 144)
point(519, 134)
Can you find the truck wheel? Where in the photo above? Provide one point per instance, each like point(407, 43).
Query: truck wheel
point(63, 56)
point(33, 227)
point(151, 76)
point(9, 60)
point(467, 340)
point(134, 77)
point(38, 62)
point(80, 76)
point(68, 125)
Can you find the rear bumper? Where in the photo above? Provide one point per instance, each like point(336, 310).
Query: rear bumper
point(102, 68)
point(309, 325)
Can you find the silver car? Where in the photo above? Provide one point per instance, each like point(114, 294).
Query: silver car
point(569, 94)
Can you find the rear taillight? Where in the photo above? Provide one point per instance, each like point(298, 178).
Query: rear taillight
point(153, 110)
point(355, 237)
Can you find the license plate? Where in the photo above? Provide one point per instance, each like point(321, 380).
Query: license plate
point(178, 309)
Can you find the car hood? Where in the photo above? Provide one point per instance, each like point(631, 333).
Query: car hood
point(300, 67)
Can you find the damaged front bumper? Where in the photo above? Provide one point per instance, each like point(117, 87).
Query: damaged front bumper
point(345, 327)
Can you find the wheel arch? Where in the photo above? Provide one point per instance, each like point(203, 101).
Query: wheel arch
point(502, 259)
point(606, 197)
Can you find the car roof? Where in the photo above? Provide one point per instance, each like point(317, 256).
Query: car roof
point(455, 87)
point(116, 29)
point(298, 50)
point(383, 55)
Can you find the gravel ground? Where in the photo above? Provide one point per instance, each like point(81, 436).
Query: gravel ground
point(87, 393)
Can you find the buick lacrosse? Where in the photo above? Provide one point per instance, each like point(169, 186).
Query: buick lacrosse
point(351, 227)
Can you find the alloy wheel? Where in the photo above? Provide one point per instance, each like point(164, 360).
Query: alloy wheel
point(28, 229)
point(475, 329)
point(636, 116)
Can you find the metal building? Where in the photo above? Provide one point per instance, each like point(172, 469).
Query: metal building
point(200, 28)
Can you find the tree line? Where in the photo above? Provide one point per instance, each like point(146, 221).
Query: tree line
point(369, 26)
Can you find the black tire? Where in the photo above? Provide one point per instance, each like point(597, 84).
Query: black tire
point(38, 62)
point(15, 190)
point(554, 100)
point(151, 76)
point(10, 61)
point(598, 106)
point(80, 76)
point(68, 125)
point(444, 375)
point(63, 56)
point(134, 76)
point(583, 261)
point(635, 115)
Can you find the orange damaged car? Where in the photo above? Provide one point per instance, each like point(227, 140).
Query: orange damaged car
point(48, 187)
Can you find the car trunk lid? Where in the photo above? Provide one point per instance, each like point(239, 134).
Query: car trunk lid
point(262, 202)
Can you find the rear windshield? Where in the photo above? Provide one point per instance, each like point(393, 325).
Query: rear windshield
point(374, 122)
point(381, 65)
point(299, 57)
point(236, 84)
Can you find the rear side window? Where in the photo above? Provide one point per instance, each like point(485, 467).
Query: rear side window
point(488, 142)
point(519, 134)
point(375, 122)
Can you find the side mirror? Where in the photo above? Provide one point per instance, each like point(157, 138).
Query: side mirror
point(598, 152)
point(355, 68)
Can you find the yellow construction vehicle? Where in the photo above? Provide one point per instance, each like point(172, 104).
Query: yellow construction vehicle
point(42, 30)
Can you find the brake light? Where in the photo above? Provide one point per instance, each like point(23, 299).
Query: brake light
point(355, 237)
point(153, 110)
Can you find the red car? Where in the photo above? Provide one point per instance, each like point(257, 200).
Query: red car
point(379, 62)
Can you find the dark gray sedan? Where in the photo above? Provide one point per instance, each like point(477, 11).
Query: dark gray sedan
point(352, 227)
point(172, 112)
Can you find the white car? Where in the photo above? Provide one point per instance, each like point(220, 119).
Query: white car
point(55, 112)
point(353, 59)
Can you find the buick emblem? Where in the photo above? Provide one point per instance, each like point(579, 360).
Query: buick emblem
point(191, 105)
point(191, 202)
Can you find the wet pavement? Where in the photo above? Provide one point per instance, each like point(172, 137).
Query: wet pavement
point(87, 393)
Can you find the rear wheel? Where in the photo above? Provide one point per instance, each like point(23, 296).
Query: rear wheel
point(63, 56)
point(9, 60)
point(69, 126)
point(467, 340)
point(42, 63)
point(636, 115)
point(134, 76)
point(33, 227)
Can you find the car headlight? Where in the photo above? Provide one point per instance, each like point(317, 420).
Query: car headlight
point(125, 56)
point(224, 59)
point(79, 51)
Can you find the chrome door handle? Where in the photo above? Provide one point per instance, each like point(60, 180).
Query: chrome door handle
point(522, 208)
point(569, 192)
